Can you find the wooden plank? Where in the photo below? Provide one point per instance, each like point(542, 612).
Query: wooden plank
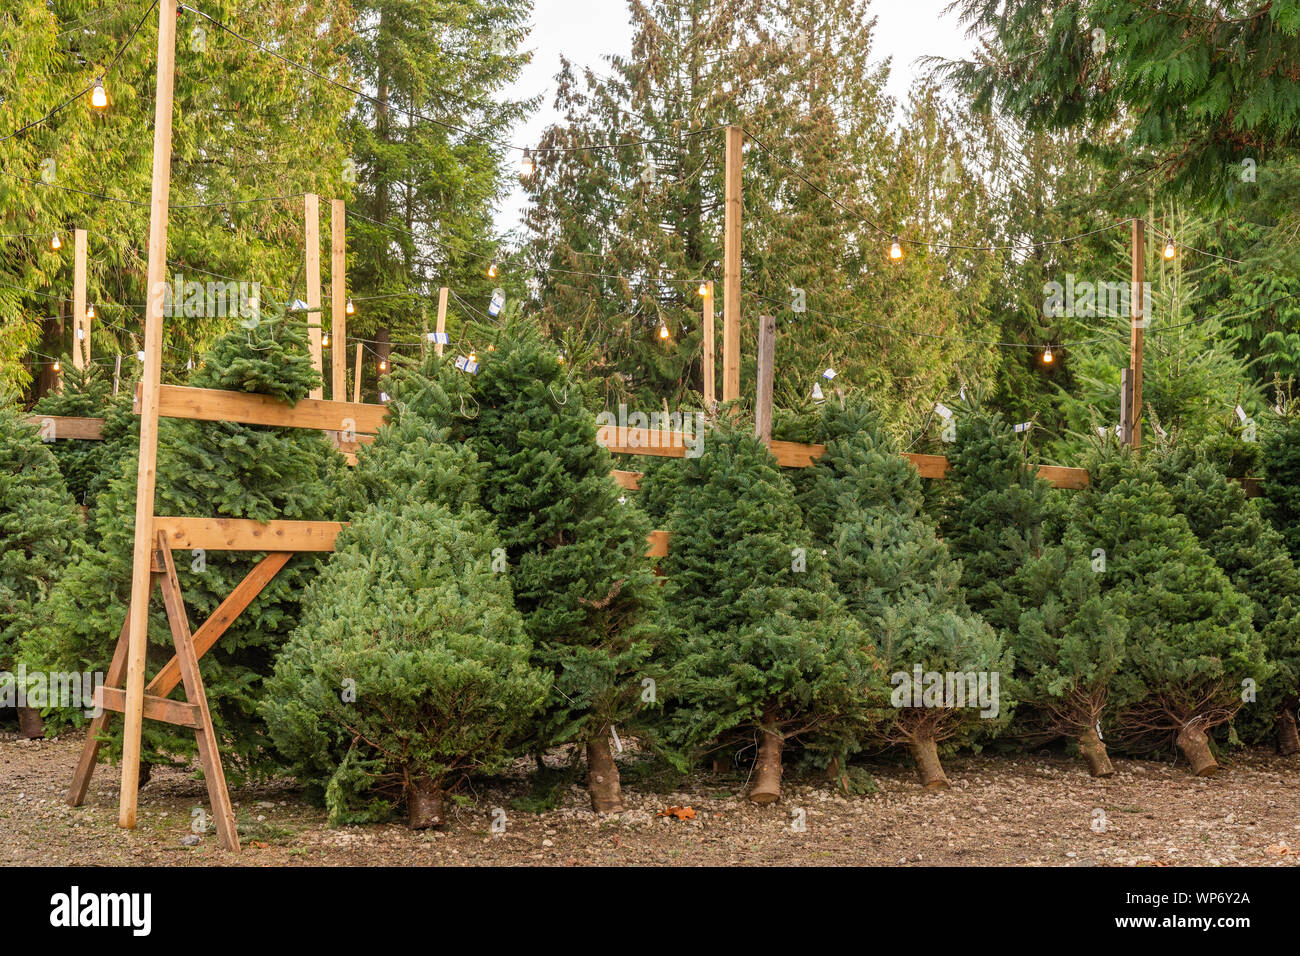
point(709, 359)
point(339, 301)
point(794, 455)
point(631, 480)
point(204, 734)
point(1064, 477)
point(658, 541)
point(113, 699)
point(1137, 331)
point(165, 681)
point(356, 378)
point(766, 360)
point(642, 441)
point(90, 748)
point(80, 343)
point(929, 466)
point(311, 213)
point(441, 327)
point(731, 260)
point(215, 405)
point(243, 534)
point(65, 426)
point(146, 480)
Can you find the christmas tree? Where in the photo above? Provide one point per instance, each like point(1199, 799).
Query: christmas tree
point(757, 642)
point(576, 555)
point(206, 469)
point(1253, 555)
point(85, 394)
point(862, 501)
point(38, 526)
point(409, 670)
point(1281, 484)
point(1192, 647)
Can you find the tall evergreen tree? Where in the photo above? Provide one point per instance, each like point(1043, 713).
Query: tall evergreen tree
point(83, 394)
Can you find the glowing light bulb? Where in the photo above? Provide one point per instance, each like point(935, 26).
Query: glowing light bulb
point(350, 308)
point(526, 165)
point(704, 288)
point(473, 356)
point(1170, 251)
point(55, 242)
point(560, 358)
point(325, 341)
point(663, 331)
point(1047, 356)
point(98, 96)
point(57, 365)
point(895, 250)
point(383, 365)
point(90, 312)
point(492, 271)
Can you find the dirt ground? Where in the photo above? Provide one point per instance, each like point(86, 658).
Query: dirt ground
point(1034, 811)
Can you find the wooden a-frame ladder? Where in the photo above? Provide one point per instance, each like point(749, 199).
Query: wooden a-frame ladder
point(183, 668)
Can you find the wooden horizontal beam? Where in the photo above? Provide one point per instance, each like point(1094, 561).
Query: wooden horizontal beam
point(658, 541)
point(64, 426)
point(215, 405)
point(631, 480)
point(242, 534)
point(1075, 478)
point(155, 708)
point(644, 441)
point(928, 466)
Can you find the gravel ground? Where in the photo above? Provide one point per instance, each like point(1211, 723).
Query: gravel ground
point(1034, 811)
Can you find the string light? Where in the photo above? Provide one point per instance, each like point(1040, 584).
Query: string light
point(895, 250)
point(325, 341)
point(383, 365)
point(526, 165)
point(57, 366)
point(473, 356)
point(90, 312)
point(492, 271)
point(663, 330)
point(703, 289)
point(1047, 356)
point(55, 242)
point(98, 96)
point(1170, 251)
point(350, 309)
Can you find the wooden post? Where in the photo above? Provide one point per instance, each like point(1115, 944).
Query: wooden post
point(442, 317)
point(731, 268)
point(312, 209)
point(710, 362)
point(117, 372)
point(339, 301)
point(1126, 415)
point(356, 379)
point(142, 554)
point(766, 368)
point(1139, 320)
point(80, 327)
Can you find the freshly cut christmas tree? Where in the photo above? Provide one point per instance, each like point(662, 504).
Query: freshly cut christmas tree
point(206, 469)
point(1253, 555)
point(575, 555)
point(39, 525)
point(409, 670)
point(1281, 484)
point(1192, 647)
point(84, 394)
point(862, 501)
point(757, 641)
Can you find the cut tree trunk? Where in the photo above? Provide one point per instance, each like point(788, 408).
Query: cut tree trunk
point(1288, 741)
point(424, 806)
point(767, 770)
point(926, 753)
point(838, 776)
point(30, 724)
point(1094, 751)
point(1196, 748)
point(602, 777)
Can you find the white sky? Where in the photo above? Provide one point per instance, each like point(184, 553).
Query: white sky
point(585, 30)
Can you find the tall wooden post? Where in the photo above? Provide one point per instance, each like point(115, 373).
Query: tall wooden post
point(339, 301)
point(142, 554)
point(766, 370)
point(356, 379)
point(80, 327)
point(1139, 319)
point(709, 359)
point(731, 268)
point(311, 207)
point(441, 327)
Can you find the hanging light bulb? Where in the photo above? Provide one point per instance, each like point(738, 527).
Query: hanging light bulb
point(1047, 356)
point(90, 312)
point(98, 96)
point(663, 330)
point(383, 365)
point(895, 250)
point(325, 341)
point(350, 308)
point(560, 358)
point(492, 271)
point(57, 365)
point(1170, 251)
point(473, 356)
point(704, 288)
point(526, 165)
point(55, 242)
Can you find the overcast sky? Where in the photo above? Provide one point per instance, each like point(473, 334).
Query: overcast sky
point(586, 30)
